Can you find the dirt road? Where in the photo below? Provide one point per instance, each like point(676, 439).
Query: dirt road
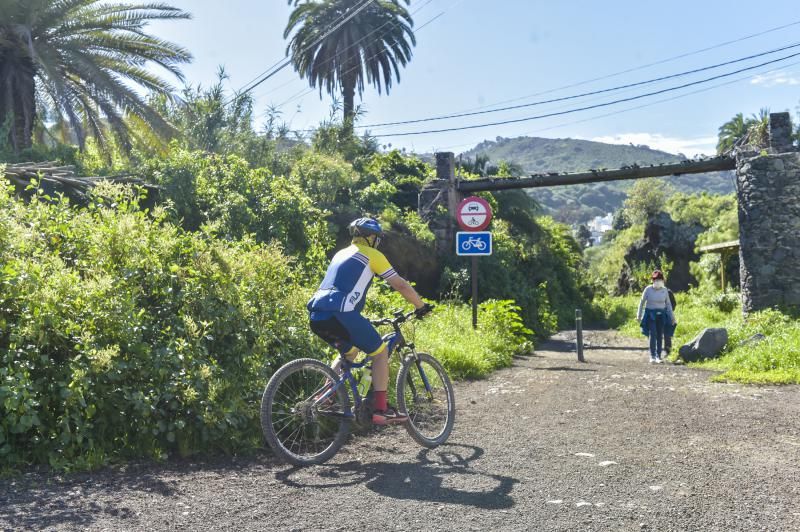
point(549, 444)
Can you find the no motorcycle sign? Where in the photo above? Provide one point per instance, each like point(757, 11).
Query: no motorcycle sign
point(474, 214)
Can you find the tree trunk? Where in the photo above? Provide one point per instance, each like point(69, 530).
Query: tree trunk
point(348, 107)
point(18, 104)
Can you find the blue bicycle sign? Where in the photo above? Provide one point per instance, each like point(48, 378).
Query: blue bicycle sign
point(474, 243)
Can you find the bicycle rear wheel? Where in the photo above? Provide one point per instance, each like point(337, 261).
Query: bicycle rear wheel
point(425, 393)
point(299, 427)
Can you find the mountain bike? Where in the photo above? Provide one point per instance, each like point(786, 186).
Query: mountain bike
point(306, 410)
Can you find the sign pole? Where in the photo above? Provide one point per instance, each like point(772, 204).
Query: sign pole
point(579, 334)
point(474, 292)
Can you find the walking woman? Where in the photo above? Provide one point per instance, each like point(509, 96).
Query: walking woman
point(655, 315)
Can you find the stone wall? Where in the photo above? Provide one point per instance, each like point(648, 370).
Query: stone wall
point(769, 223)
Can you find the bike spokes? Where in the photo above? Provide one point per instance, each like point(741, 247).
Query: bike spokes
point(428, 399)
point(304, 410)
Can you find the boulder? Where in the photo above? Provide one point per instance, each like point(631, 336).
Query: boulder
point(707, 344)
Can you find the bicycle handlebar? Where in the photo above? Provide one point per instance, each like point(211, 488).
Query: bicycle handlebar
point(400, 317)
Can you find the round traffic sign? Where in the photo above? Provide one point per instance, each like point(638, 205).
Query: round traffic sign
point(474, 214)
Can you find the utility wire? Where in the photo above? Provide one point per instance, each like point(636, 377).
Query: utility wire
point(586, 108)
point(575, 96)
point(288, 62)
point(637, 107)
point(642, 67)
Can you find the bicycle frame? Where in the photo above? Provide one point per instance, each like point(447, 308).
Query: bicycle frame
point(397, 343)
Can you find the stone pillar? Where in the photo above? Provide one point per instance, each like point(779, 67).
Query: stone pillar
point(768, 187)
point(438, 201)
point(780, 133)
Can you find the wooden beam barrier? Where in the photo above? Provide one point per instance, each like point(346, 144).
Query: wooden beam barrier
point(715, 164)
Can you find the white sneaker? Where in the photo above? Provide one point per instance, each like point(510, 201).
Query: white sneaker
point(659, 361)
point(652, 360)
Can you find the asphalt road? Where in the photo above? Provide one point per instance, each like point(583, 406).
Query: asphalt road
point(549, 444)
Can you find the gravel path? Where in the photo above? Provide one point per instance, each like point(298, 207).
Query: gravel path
point(549, 444)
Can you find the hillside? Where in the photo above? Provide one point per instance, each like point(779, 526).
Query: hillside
point(579, 203)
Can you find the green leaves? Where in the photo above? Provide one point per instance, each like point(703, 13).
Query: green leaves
point(142, 340)
point(77, 61)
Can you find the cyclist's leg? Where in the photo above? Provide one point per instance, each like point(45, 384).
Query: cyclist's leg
point(337, 336)
point(366, 338)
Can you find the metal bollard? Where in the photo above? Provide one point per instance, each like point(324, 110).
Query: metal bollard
point(579, 330)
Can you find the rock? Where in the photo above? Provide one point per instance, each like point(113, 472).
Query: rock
point(753, 340)
point(663, 237)
point(707, 344)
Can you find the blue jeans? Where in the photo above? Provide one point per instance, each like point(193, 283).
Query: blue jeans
point(658, 320)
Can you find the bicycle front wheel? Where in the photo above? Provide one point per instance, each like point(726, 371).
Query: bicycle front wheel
point(425, 393)
point(302, 421)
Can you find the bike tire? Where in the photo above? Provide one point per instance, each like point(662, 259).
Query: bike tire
point(280, 394)
point(421, 411)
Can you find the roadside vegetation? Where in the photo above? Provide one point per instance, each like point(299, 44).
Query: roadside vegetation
point(129, 332)
point(764, 348)
point(775, 359)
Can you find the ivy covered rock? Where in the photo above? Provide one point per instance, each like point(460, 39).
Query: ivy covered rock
point(663, 239)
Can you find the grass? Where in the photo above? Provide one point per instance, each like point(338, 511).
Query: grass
point(775, 360)
point(468, 353)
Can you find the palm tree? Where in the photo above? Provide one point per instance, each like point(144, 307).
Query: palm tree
point(738, 127)
point(732, 131)
point(369, 48)
point(76, 62)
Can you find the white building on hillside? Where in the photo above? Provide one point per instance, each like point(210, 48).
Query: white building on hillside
point(599, 226)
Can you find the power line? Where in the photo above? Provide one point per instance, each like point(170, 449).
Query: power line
point(642, 67)
point(582, 95)
point(641, 106)
point(288, 62)
point(586, 108)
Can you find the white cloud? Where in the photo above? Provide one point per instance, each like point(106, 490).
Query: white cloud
point(773, 79)
point(688, 146)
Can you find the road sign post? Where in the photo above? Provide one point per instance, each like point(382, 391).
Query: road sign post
point(474, 214)
point(579, 334)
point(474, 292)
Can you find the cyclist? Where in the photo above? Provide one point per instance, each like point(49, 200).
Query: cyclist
point(335, 309)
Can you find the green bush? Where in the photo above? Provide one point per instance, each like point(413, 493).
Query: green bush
point(235, 201)
point(121, 335)
point(473, 353)
point(727, 302)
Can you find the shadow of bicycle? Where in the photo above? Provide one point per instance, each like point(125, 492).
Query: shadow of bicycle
point(440, 475)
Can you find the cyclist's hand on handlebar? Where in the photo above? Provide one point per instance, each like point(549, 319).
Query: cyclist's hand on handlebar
point(423, 310)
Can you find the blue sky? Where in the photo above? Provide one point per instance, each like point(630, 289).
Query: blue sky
point(479, 52)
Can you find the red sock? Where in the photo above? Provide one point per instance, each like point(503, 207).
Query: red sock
point(380, 401)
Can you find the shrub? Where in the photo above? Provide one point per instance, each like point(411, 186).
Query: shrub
point(121, 335)
point(474, 353)
point(727, 302)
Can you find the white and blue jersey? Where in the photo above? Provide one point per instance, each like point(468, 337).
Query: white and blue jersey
point(345, 286)
point(335, 309)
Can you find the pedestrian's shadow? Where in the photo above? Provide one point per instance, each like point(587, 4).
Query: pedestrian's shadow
point(439, 475)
